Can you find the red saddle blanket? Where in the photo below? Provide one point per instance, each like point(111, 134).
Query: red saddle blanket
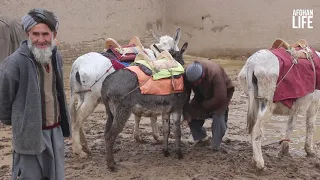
point(157, 87)
point(299, 81)
point(116, 64)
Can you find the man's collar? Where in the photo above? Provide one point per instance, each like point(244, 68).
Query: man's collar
point(24, 49)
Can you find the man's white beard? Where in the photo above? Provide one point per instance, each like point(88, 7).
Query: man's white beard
point(43, 56)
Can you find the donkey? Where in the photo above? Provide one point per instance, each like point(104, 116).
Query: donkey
point(121, 97)
point(258, 78)
point(87, 74)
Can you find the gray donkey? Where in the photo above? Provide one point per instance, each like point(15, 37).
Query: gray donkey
point(121, 96)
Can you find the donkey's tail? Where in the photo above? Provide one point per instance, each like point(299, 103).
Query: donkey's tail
point(72, 105)
point(253, 102)
point(106, 101)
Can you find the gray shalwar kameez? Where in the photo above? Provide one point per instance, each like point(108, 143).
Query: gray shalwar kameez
point(47, 165)
point(38, 150)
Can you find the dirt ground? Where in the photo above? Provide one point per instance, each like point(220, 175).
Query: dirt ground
point(146, 161)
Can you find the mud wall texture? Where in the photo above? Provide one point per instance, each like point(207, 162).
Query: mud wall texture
point(84, 25)
point(217, 27)
point(212, 27)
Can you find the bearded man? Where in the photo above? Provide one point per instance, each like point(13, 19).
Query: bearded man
point(32, 100)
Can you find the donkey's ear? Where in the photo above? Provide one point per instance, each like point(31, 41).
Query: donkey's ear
point(177, 35)
point(184, 47)
point(156, 36)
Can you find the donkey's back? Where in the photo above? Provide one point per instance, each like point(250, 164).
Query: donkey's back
point(259, 80)
point(122, 88)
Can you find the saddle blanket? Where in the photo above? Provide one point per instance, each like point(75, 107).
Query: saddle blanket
point(157, 87)
point(126, 53)
point(163, 67)
point(116, 63)
point(299, 81)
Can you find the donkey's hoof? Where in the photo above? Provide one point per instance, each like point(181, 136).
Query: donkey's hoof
point(112, 166)
point(80, 153)
point(158, 141)
point(113, 169)
point(138, 139)
point(83, 155)
point(179, 154)
point(157, 138)
point(141, 141)
point(261, 169)
point(284, 149)
point(85, 149)
point(165, 153)
point(283, 154)
point(258, 166)
point(311, 154)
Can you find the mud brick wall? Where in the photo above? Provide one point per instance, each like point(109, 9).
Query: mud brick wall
point(212, 27)
point(70, 52)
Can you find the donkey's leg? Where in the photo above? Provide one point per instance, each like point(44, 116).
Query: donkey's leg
point(263, 116)
point(166, 132)
point(115, 123)
point(310, 126)
point(72, 109)
point(136, 130)
point(80, 98)
point(73, 115)
point(73, 112)
point(80, 145)
point(285, 143)
point(177, 133)
point(155, 129)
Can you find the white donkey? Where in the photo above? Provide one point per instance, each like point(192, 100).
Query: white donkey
point(258, 78)
point(87, 74)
